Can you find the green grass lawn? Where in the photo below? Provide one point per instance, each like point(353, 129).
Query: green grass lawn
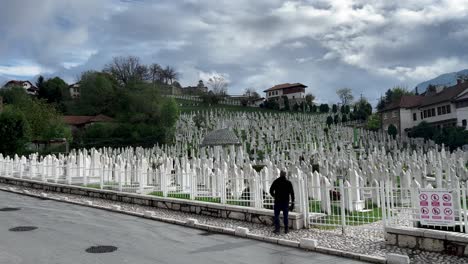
point(352, 218)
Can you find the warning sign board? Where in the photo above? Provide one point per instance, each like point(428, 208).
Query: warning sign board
point(436, 207)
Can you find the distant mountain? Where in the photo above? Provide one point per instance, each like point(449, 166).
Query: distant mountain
point(447, 79)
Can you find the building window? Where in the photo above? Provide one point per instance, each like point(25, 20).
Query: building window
point(425, 113)
point(444, 110)
point(394, 113)
point(421, 115)
point(415, 117)
point(385, 116)
point(464, 123)
point(433, 112)
point(448, 109)
point(439, 110)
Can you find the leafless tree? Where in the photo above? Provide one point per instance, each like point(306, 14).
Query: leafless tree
point(346, 95)
point(156, 73)
point(218, 85)
point(251, 94)
point(169, 75)
point(127, 69)
point(310, 98)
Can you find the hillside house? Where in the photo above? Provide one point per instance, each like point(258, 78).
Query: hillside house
point(77, 123)
point(293, 91)
point(75, 90)
point(27, 85)
point(441, 108)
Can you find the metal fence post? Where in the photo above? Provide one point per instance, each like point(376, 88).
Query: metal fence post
point(383, 203)
point(464, 187)
point(342, 205)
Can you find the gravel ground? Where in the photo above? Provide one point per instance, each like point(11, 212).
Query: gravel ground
point(364, 239)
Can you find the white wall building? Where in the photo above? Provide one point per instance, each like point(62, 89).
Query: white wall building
point(27, 85)
point(75, 90)
point(444, 108)
point(291, 90)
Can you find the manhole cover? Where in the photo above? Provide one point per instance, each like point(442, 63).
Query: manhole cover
point(9, 209)
point(22, 228)
point(101, 249)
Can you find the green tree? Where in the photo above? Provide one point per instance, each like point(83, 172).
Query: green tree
point(54, 90)
point(169, 113)
point(346, 95)
point(286, 103)
point(374, 123)
point(344, 118)
point(362, 109)
point(14, 131)
point(271, 104)
point(393, 94)
point(44, 120)
point(313, 108)
point(98, 94)
point(423, 130)
point(310, 98)
point(40, 82)
point(296, 107)
point(336, 119)
point(14, 95)
point(324, 108)
point(392, 130)
point(452, 137)
point(329, 120)
point(334, 108)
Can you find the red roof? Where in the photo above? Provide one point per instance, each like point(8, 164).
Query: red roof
point(411, 101)
point(83, 120)
point(284, 86)
point(406, 101)
point(20, 83)
point(446, 94)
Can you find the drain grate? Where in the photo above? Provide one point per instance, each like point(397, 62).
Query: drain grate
point(101, 249)
point(9, 209)
point(22, 228)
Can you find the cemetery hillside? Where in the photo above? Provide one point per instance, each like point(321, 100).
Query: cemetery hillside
point(207, 132)
point(357, 172)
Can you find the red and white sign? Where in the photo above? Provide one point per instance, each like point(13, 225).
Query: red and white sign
point(436, 207)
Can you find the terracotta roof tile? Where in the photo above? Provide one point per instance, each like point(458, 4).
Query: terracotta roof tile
point(82, 120)
point(406, 101)
point(284, 86)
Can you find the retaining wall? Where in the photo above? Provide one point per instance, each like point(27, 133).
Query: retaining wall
point(452, 243)
point(248, 214)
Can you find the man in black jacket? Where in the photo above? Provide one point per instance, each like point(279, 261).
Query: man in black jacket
point(281, 189)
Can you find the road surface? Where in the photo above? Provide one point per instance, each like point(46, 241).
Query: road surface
point(65, 231)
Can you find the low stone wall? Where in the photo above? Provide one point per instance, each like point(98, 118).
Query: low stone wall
point(452, 243)
point(254, 215)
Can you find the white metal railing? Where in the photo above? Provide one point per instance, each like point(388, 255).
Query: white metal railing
point(329, 204)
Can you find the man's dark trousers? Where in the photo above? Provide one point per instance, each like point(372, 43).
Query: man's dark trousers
point(278, 207)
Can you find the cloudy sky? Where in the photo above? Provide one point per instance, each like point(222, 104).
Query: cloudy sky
point(366, 45)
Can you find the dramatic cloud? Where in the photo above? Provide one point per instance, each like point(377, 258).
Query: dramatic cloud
point(366, 45)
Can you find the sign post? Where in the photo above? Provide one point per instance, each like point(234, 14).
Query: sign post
point(436, 207)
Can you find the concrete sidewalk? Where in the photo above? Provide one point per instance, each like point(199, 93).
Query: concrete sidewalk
point(65, 231)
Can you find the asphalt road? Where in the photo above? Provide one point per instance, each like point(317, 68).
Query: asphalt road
point(65, 231)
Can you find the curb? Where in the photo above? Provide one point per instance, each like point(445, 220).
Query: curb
point(193, 223)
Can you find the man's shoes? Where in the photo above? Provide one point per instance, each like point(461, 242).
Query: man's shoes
point(286, 230)
point(276, 232)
